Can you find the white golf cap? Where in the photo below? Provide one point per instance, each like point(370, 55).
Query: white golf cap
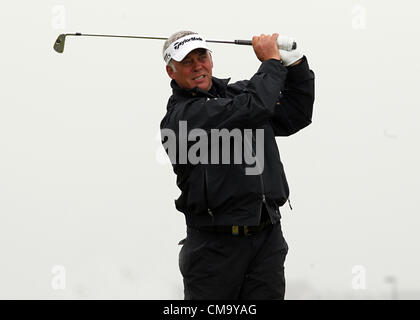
point(179, 49)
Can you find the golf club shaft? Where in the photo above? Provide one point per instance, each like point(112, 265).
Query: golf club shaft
point(113, 36)
point(239, 42)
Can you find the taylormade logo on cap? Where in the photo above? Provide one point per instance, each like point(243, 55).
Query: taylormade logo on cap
point(178, 44)
point(180, 48)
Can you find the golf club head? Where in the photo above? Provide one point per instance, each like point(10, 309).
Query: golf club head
point(59, 43)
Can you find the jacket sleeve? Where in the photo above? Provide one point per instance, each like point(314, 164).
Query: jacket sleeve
point(293, 109)
point(254, 104)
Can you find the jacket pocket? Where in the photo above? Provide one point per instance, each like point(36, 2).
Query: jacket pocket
point(195, 198)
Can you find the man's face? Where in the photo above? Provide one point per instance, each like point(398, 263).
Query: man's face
point(195, 70)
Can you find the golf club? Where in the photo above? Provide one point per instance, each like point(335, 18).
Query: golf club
point(284, 43)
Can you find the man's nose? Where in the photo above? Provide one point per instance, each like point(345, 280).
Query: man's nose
point(197, 65)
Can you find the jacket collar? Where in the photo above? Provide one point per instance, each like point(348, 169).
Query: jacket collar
point(218, 89)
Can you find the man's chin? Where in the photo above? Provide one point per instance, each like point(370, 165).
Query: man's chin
point(205, 85)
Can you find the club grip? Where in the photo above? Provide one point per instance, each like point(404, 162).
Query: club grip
point(244, 42)
point(284, 43)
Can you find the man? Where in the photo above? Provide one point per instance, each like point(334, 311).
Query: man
point(234, 248)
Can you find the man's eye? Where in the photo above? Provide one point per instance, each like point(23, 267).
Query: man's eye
point(186, 62)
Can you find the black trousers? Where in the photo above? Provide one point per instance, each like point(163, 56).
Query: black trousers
point(225, 266)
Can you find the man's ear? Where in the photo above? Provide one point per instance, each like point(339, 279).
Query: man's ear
point(211, 59)
point(170, 71)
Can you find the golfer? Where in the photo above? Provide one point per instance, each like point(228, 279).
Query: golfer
point(234, 247)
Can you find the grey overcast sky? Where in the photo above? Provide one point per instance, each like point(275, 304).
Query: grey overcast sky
point(86, 194)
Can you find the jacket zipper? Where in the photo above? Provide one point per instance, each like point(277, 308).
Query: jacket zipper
point(262, 181)
point(261, 177)
point(258, 165)
point(206, 191)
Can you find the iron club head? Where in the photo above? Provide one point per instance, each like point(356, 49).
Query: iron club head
point(59, 43)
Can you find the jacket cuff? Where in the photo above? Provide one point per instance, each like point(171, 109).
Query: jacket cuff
point(272, 66)
point(299, 71)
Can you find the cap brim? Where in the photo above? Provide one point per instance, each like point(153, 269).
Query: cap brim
point(181, 54)
point(180, 48)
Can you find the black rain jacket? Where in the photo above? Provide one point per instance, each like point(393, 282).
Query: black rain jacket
point(277, 99)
